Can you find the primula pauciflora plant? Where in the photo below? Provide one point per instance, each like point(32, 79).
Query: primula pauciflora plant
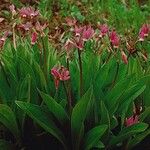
point(87, 95)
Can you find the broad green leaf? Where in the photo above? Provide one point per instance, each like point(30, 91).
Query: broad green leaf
point(128, 97)
point(112, 98)
point(42, 118)
point(8, 119)
point(138, 138)
point(99, 145)
point(24, 88)
point(79, 115)
point(93, 136)
point(55, 108)
point(128, 132)
point(145, 114)
point(40, 75)
point(104, 114)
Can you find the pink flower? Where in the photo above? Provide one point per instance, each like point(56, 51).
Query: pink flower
point(78, 30)
point(25, 27)
point(114, 39)
point(144, 31)
point(12, 9)
point(132, 120)
point(34, 38)
point(64, 74)
point(28, 12)
point(60, 74)
point(124, 57)
point(69, 45)
point(103, 30)
point(56, 74)
point(3, 39)
point(40, 27)
point(79, 43)
point(88, 33)
point(71, 21)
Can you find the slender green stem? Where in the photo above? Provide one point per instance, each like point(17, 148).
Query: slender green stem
point(45, 59)
point(14, 36)
point(69, 89)
point(67, 95)
point(116, 74)
point(81, 73)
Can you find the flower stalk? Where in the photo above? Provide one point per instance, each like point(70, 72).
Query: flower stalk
point(81, 73)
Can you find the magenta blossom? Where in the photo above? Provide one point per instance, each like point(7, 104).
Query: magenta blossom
point(114, 39)
point(56, 75)
point(132, 120)
point(144, 31)
point(60, 74)
point(28, 12)
point(34, 38)
point(103, 30)
point(88, 33)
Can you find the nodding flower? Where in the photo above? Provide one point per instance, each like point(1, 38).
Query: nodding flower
point(28, 12)
point(78, 30)
point(103, 30)
point(71, 21)
point(134, 119)
point(3, 39)
point(79, 43)
point(69, 45)
point(25, 27)
point(144, 31)
point(12, 9)
point(124, 57)
point(34, 38)
point(87, 33)
point(114, 39)
point(60, 74)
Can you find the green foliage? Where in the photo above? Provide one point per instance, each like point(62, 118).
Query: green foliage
point(111, 90)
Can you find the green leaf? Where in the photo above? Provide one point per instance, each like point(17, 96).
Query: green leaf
point(78, 116)
point(55, 108)
point(99, 145)
point(39, 74)
point(112, 98)
point(128, 132)
point(8, 119)
point(42, 118)
point(138, 138)
point(145, 114)
point(93, 136)
point(105, 119)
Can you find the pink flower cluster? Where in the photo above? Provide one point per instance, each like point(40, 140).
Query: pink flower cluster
point(28, 12)
point(144, 32)
point(132, 120)
point(104, 29)
point(82, 34)
point(60, 74)
point(114, 39)
point(29, 24)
